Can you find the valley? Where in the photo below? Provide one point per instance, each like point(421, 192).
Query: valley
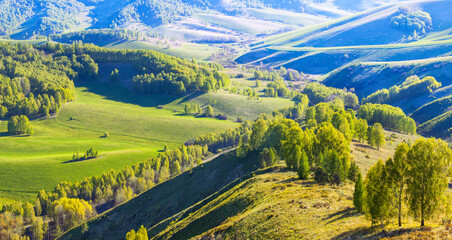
point(235, 119)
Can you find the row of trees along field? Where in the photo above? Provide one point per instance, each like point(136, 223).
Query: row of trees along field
point(412, 87)
point(415, 178)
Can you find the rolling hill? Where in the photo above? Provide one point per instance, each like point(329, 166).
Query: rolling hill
point(201, 21)
point(369, 51)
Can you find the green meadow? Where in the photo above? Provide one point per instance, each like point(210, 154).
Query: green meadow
point(136, 129)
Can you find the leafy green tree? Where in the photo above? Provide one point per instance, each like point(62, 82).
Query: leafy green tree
point(209, 111)
point(428, 161)
point(353, 171)
point(361, 129)
point(358, 195)
point(260, 127)
point(376, 136)
point(37, 228)
point(114, 76)
point(19, 125)
point(141, 234)
point(267, 157)
point(377, 197)
point(303, 166)
point(397, 176)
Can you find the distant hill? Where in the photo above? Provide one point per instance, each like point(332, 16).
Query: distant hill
point(371, 50)
point(203, 20)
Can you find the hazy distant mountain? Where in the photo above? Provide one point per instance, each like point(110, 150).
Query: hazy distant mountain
point(183, 19)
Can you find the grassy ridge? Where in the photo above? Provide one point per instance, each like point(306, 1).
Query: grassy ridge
point(138, 130)
point(155, 207)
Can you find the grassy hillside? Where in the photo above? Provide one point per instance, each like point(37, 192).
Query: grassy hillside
point(432, 109)
point(29, 164)
point(155, 207)
point(183, 207)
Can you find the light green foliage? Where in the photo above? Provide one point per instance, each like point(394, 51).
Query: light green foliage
point(397, 176)
point(411, 88)
point(208, 112)
point(361, 129)
point(376, 136)
point(377, 197)
point(18, 125)
point(428, 161)
point(390, 117)
point(68, 212)
point(37, 228)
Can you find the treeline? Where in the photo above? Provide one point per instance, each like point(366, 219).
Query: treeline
point(35, 84)
point(159, 73)
point(412, 87)
point(320, 93)
point(70, 203)
point(297, 111)
point(390, 117)
point(416, 179)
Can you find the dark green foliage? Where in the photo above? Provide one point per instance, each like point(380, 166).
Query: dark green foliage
point(320, 176)
point(114, 76)
point(353, 172)
point(267, 157)
point(358, 195)
point(19, 125)
point(303, 166)
point(392, 118)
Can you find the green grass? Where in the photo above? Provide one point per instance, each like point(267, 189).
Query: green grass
point(235, 105)
point(187, 50)
point(138, 130)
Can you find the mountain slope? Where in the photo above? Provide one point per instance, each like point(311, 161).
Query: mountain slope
point(155, 208)
point(219, 20)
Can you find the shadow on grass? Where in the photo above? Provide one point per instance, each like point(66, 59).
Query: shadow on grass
point(78, 160)
point(346, 213)
point(119, 93)
point(373, 232)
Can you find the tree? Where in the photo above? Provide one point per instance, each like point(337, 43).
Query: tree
point(428, 161)
point(376, 136)
point(358, 195)
point(38, 208)
point(260, 127)
point(397, 171)
point(37, 230)
point(141, 234)
point(351, 100)
point(209, 111)
point(19, 125)
point(303, 166)
point(114, 76)
point(377, 194)
point(361, 129)
point(267, 157)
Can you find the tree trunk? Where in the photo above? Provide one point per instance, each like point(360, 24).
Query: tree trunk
point(422, 222)
point(400, 208)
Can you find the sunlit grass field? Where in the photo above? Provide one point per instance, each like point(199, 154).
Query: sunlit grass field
point(136, 131)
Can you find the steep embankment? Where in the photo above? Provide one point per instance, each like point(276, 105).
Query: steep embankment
point(153, 208)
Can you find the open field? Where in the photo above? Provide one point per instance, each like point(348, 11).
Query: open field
point(137, 130)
